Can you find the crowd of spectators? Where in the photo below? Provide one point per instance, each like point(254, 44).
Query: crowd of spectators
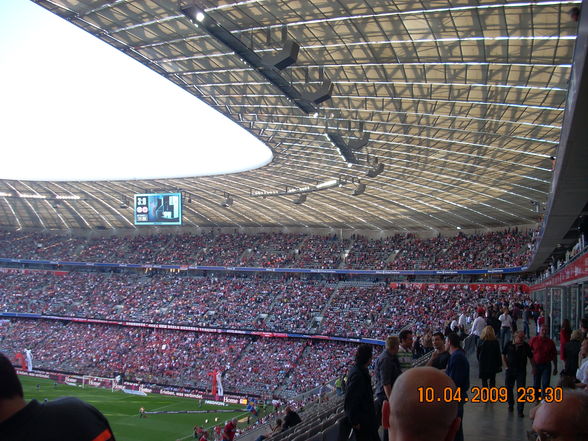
point(273, 304)
point(272, 250)
point(322, 252)
point(402, 252)
point(489, 250)
point(375, 254)
point(250, 364)
point(179, 358)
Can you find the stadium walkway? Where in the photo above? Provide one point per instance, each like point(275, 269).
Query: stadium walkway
point(492, 421)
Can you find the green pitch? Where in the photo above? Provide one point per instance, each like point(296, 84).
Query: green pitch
point(122, 411)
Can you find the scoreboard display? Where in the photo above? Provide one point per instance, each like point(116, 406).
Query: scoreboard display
point(158, 209)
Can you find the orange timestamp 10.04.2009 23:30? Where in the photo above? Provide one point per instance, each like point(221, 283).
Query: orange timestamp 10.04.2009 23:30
point(489, 395)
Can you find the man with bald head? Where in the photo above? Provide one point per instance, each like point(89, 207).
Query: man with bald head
point(564, 421)
point(413, 419)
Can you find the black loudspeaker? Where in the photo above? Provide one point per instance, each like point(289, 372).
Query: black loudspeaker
point(357, 144)
point(375, 170)
point(287, 56)
point(300, 199)
point(360, 189)
point(322, 94)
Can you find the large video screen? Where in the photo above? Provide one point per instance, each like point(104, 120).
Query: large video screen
point(158, 209)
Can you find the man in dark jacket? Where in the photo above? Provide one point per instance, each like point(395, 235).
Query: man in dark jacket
point(359, 398)
point(458, 368)
point(291, 419)
point(386, 372)
point(514, 357)
point(571, 353)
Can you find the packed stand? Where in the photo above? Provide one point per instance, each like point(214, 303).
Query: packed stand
point(490, 250)
point(402, 252)
point(321, 252)
point(272, 250)
point(170, 357)
point(375, 254)
point(281, 305)
point(298, 304)
point(37, 246)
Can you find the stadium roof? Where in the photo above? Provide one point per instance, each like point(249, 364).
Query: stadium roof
point(460, 102)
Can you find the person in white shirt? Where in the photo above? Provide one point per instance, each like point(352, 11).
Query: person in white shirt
point(463, 321)
point(454, 325)
point(477, 328)
point(505, 327)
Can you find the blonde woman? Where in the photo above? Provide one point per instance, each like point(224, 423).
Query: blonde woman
point(489, 359)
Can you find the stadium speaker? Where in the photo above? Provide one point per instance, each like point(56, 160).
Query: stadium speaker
point(287, 56)
point(322, 94)
point(360, 189)
point(227, 202)
point(300, 199)
point(375, 170)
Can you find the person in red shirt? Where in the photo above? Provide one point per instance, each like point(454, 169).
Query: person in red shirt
point(230, 430)
point(544, 352)
point(204, 435)
point(218, 430)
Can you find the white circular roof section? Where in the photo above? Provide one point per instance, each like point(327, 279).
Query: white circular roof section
point(75, 110)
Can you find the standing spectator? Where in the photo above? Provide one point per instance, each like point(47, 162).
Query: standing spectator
point(359, 402)
point(405, 350)
point(565, 334)
point(493, 321)
point(440, 355)
point(291, 419)
point(428, 342)
point(540, 321)
point(571, 353)
point(230, 430)
point(488, 353)
point(514, 357)
point(506, 323)
point(458, 368)
point(386, 373)
point(454, 326)
point(463, 321)
point(526, 317)
point(582, 372)
point(418, 350)
point(339, 386)
point(584, 327)
point(543, 353)
point(477, 327)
